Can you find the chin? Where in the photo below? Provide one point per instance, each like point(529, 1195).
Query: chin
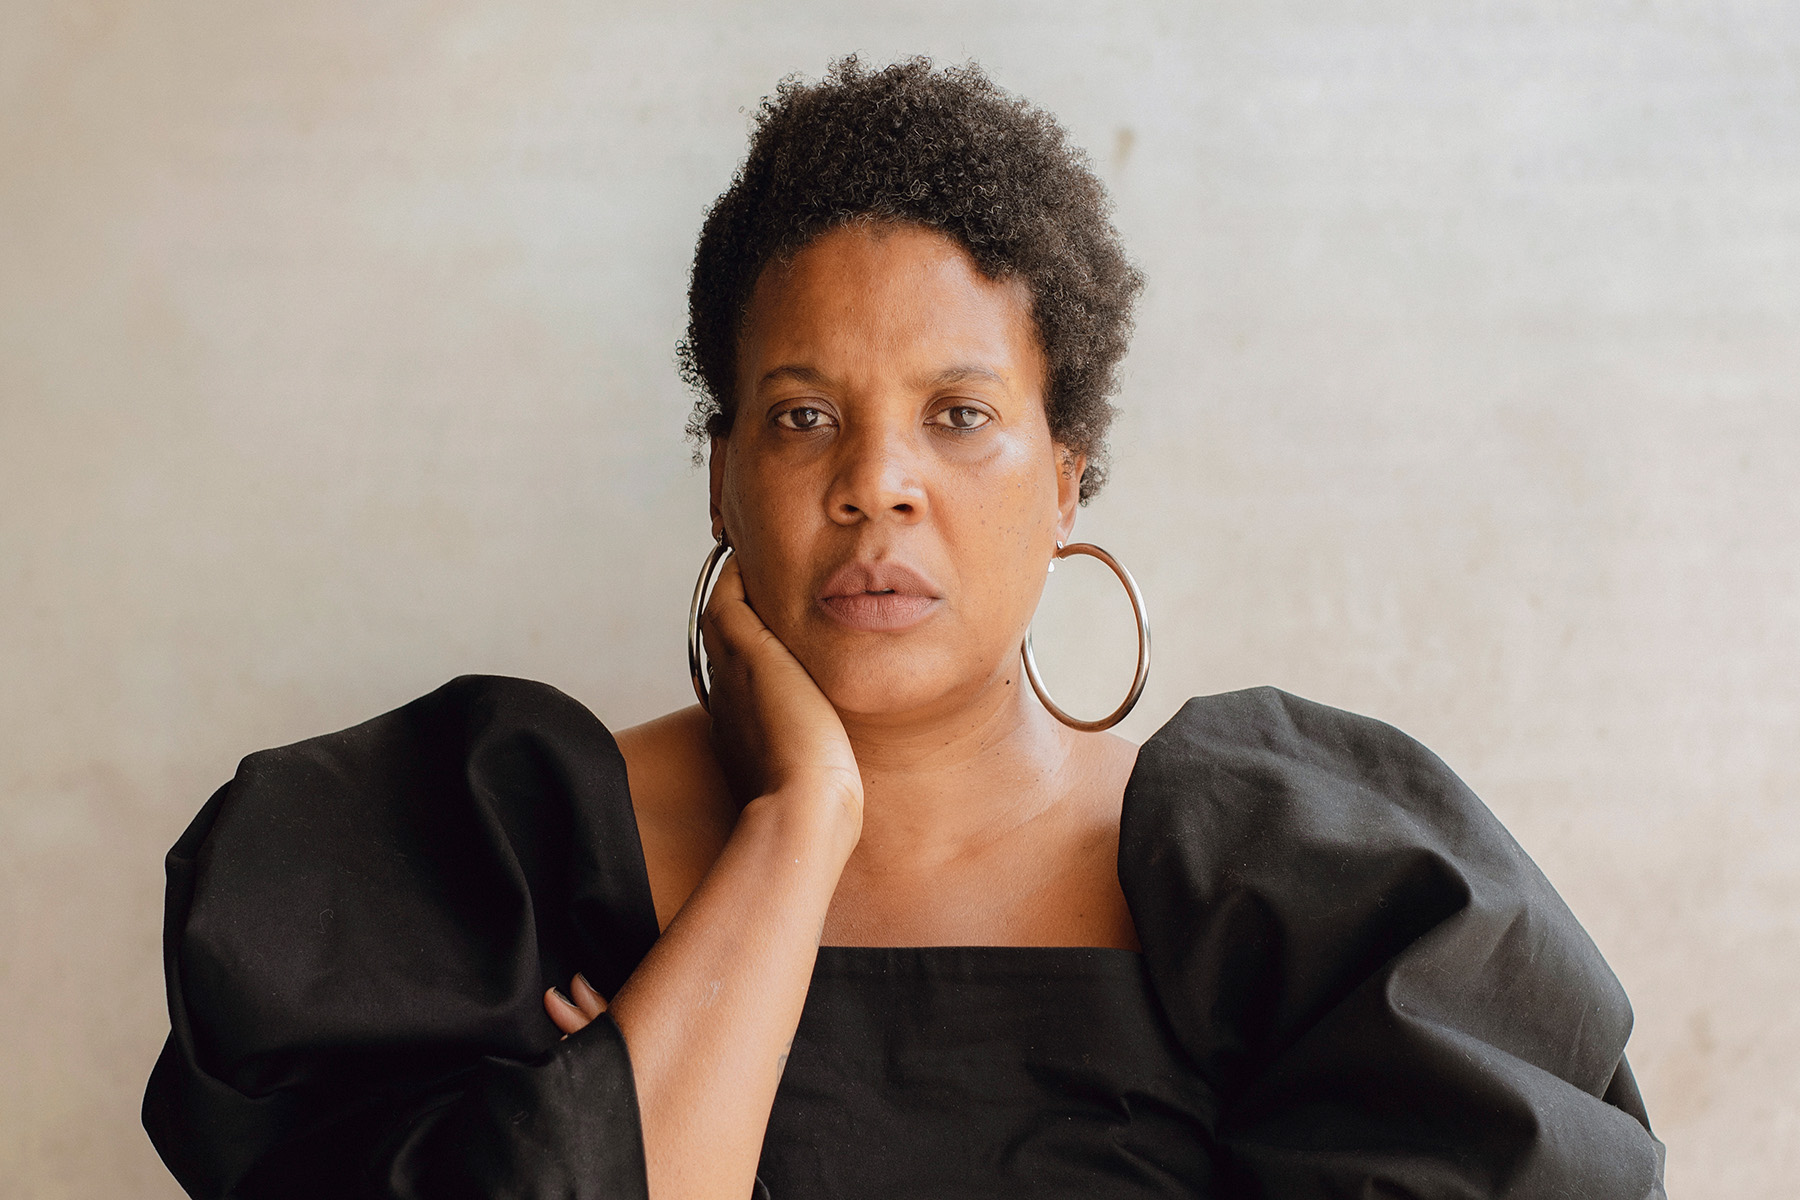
point(889, 678)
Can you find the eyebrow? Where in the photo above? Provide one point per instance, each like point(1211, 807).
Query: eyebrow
point(813, 377)
point(798, 374)
point(954, 375)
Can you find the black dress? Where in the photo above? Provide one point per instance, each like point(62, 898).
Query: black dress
point(1353, 983)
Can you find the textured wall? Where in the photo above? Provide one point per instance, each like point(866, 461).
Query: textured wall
point(335, 359)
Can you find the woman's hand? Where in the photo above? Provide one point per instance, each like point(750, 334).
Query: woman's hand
point(710, 1014)
point(773, 729)
point(571, 1013)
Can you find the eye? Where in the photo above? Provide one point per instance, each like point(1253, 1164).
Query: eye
point(962, 416)
point(801, 418)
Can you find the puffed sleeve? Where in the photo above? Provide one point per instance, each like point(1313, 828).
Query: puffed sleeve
point(1388, 996)
point(358, 935)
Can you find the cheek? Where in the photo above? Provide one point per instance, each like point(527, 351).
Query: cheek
point(754, 502)
point(766, 517)
point(1001, 535)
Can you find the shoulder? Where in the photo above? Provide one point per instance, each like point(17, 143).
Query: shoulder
point(1328, 914)
point(684, 809)
point(491, 753)
point(472, 716)
point(1320, 811)
point(356, 919)
point(489, 756)
point(490, 811)
point(1260, 765)
point(671, 761)
point(1286, 854)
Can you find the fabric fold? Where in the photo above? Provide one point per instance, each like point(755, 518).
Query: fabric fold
point(359, 931)
point(1375, 989)
point(1386, 992)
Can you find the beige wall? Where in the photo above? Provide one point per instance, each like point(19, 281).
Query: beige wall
point(335, 359)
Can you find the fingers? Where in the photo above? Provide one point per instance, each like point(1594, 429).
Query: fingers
point(585, 997)
point(572, 1013)
point(734, 637)
point(563, 1013)
point(770, 721)
point(730, 626)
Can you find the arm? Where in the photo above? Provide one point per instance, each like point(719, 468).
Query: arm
point(710, 1013)
point(1387, 995)
point(359, 928)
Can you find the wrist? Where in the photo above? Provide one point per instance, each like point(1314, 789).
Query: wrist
point(809, 817)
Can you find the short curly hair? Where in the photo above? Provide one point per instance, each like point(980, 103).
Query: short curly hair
point(948, 150)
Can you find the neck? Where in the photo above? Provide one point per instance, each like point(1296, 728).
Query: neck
point(938, 785)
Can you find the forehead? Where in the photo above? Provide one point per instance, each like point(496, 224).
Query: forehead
point(876, 299)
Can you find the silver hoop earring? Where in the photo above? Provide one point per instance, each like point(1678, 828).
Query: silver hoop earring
point(709, 575)
point(1143, 656)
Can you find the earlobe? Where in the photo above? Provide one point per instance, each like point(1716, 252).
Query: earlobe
point(715, 467)
point(1070, 468)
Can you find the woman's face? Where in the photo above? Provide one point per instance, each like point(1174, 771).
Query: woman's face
point(889, 480)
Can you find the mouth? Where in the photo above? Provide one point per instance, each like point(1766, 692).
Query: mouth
point(878, 597)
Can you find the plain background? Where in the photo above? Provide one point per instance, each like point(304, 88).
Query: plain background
point(336, 360)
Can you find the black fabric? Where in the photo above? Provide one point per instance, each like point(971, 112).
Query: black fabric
point(1389, 997)
point(360, 929)
point(1353, 984)
point(987, 1071)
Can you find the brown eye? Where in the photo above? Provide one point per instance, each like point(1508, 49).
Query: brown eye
point(801, 419)
point(964, 416)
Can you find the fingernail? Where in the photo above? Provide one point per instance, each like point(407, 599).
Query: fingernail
point(563, 998)
point(584, 983)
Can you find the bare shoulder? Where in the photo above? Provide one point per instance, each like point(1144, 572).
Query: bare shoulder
point(684, 810)
point(1104, 765)
point(669, 761)
point(1088, 903)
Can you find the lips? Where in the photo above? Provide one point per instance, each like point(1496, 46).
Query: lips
point(882, 597)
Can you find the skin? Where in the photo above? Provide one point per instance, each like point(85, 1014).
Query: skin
point(859, 785)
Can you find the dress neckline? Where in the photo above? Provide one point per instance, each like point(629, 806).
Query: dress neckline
point(644, 899)
point(983, 962)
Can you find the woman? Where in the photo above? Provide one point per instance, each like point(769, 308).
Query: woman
point(873, 921)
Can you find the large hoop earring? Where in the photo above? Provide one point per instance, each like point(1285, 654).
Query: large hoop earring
point(709, 575)
point(1143, 656)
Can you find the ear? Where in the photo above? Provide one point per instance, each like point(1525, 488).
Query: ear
point(1069, 468)
point(715, 469)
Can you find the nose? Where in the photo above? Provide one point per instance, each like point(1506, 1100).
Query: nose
point(877, 477)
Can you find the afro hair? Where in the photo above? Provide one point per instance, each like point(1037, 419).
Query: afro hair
point(948, 150)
